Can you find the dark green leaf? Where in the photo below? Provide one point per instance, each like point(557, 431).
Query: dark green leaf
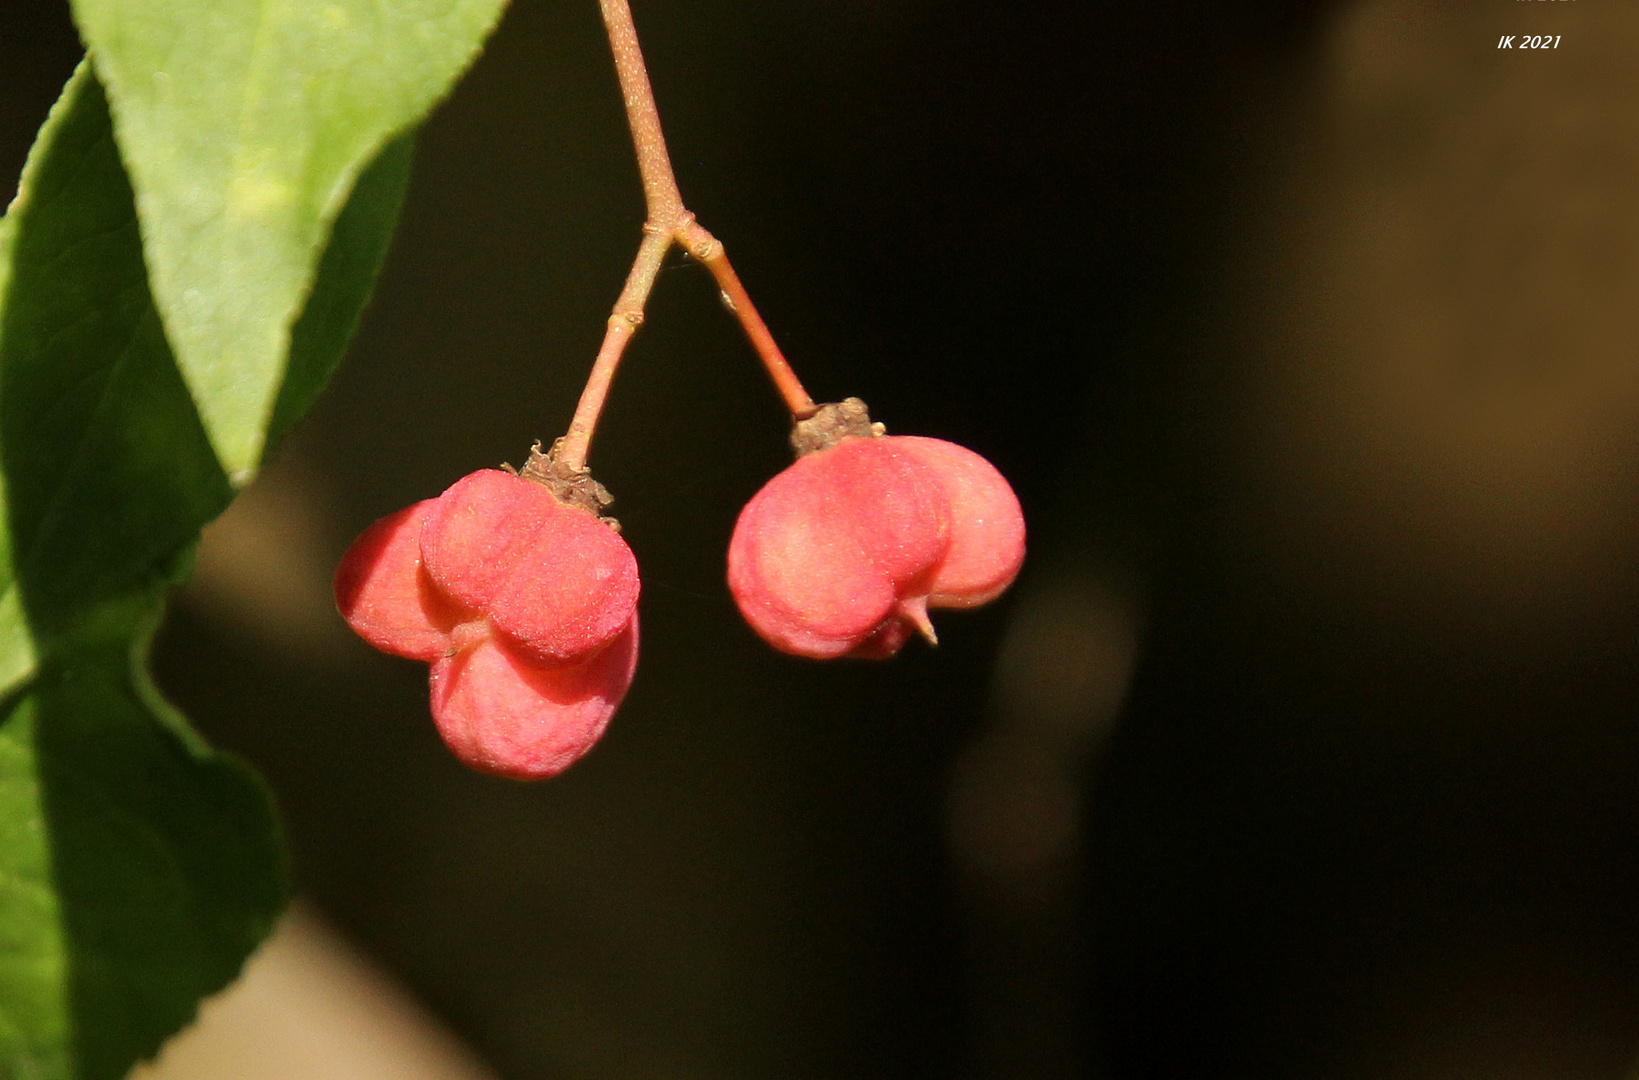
point(152, 871)
point(137, 868)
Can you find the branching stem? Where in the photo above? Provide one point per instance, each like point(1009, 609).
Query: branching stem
point(668, 223)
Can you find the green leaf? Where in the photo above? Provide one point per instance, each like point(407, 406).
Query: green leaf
point(108, 475)
point(137, 867)
point(142, 870)
point(243, 124)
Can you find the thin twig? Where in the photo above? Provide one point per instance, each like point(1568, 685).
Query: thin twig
point(665, 202)
point(706, 248)
point(668, 223)
point(623, 323)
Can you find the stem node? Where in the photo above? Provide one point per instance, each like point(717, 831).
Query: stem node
point(667, 222)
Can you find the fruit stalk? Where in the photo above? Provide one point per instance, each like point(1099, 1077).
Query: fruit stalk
point(668, 222)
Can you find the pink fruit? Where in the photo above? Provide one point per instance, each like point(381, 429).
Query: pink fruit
point(525, 606)
point(843, 553)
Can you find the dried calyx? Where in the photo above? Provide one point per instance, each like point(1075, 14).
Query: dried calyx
point(830, 424)
point(569, 485)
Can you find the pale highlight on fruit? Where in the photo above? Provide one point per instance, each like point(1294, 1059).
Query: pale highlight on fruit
point(843, 553)
point(525, 608)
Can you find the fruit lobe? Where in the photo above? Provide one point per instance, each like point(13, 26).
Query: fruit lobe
point(843, 553)
point(525, 607)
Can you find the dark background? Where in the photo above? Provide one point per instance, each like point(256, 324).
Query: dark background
point(1306, 745)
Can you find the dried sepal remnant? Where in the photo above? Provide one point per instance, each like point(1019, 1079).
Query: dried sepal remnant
point(524, 606)
point(843, 553)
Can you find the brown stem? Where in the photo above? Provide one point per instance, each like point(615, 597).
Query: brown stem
point(665, 202)
point(706, 248)
point(623, 323)
point(668, 223)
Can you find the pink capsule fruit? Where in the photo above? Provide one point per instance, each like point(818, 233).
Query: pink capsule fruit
point(843, 553)
point(525, 606)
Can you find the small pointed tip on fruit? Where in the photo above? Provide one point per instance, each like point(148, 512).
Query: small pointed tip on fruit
point(916, 613)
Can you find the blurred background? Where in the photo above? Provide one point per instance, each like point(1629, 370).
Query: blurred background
point(1306, 745)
